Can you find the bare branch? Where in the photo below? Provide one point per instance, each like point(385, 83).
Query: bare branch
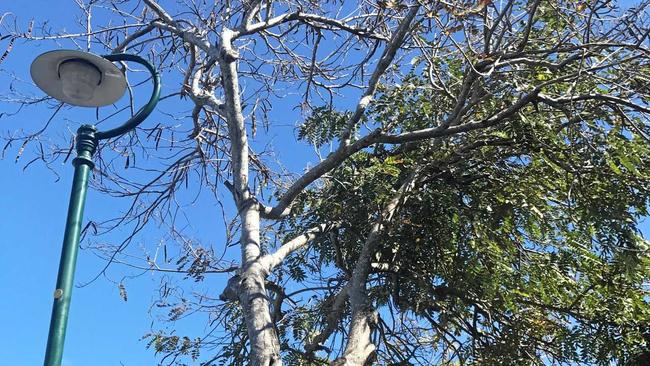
point(386, 59)
point(270, 261)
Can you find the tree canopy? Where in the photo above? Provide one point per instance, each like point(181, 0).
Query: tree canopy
point(478, 204)
point(513, 246)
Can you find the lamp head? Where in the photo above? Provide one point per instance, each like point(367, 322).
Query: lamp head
point(78, 78)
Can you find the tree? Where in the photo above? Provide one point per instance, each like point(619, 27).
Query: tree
point(479, 204)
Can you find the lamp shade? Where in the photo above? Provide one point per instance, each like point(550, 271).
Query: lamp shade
point(78, 78)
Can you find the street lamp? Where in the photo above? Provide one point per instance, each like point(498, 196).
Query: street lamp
point(82, 79)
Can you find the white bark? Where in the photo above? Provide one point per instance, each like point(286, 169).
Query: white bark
point(270, 261)
point(250, 282)
point(265, 347)
point(264, 344)
point(360, 348)
point(346, 149)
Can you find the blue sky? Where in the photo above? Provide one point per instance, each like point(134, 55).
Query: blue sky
point(103, 329)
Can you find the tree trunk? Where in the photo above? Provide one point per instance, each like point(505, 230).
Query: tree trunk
point(265, 346)
point(264, 343)
point(360, 350)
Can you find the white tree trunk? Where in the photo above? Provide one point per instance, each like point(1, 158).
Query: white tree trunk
point(265, 346)
point(360, 349)
point(264, 343)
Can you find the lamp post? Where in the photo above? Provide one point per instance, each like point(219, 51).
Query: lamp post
point(82, 79)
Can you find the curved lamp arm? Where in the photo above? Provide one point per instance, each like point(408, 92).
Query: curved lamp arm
point(144, 111)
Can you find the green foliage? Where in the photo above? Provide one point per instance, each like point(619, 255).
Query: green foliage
point(519, 244)
point(174, 345)
point(322, 126)
point(520, 241)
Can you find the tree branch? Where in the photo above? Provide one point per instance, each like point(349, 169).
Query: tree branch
point(308, 19)
point(135, 35)
point(386, 59)
point(606, 98)
point(270, 261)
point(359, 346)
point(345, 149)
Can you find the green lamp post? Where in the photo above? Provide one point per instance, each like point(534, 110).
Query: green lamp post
point(86, 80)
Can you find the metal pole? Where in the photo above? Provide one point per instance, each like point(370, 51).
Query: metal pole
point(87, 138)
point(83, 164)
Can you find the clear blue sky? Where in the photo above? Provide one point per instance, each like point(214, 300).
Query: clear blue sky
point(103, 330)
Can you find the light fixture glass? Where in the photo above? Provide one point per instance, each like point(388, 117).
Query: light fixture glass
point(79, 79)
